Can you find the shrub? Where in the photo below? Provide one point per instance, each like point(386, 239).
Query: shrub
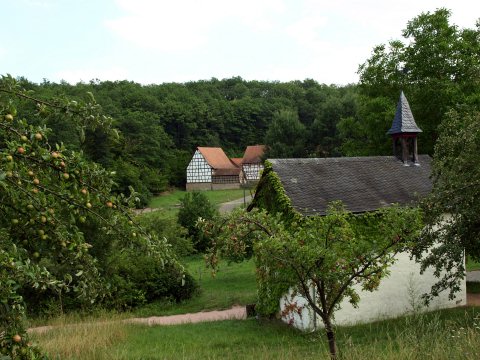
point(137, 279)
point(196, 205)
point(167, 227)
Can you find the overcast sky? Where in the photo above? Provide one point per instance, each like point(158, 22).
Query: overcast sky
point(150, 41)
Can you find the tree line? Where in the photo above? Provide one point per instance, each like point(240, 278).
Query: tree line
point(436, 64)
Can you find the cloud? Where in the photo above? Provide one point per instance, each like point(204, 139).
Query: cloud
point(74, 76)
point(171, 26)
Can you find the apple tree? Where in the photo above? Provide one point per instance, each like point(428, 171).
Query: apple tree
point(330, 255)
point(47, 195)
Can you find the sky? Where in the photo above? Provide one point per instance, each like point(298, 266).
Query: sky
point(154, 42)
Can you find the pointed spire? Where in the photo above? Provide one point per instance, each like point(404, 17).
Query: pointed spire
point(403, 122)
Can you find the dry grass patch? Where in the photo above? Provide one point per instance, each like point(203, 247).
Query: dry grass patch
point(81, 341)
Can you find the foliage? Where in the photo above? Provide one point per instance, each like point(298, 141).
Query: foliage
point(274, 197)
point(285, 137)
point(49, 197)
point(436, 65)
point(330, 253)
point(137, 278)
point(165, 226)
point(452, 210)
point(195, 205)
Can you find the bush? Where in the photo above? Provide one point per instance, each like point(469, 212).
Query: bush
point(137, 279)
point(196, 205)
point(167, 227)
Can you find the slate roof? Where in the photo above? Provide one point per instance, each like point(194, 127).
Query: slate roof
point(253, 154)
point(361, 183)
point(403, 122)
point(219, 161)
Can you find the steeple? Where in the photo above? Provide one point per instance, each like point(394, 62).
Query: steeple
point(404, 132)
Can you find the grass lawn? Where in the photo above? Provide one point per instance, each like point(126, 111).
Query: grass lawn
point(447, 334)
point(233, 284)
point(472, 265)
point(170, 202)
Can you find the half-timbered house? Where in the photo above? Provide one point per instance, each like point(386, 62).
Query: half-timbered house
point(252, 163)
point(211, 169)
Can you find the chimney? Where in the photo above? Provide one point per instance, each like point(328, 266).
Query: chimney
point(404, 132)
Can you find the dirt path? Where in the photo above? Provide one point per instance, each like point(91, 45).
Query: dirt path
point(235, 313)
point(229, 206)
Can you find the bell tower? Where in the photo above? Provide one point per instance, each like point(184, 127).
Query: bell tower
point(404, 132)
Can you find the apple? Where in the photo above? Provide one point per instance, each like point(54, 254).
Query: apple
point(8, 117)
point(36, 255)
point(44, 237)
point(62, 164)
point(16, 338)
point(66, 176)
point(30, 207)
point(38, 136)
point(43, 219)
point(21, 150)
point(30, 173)
point(88, 205)
point(109, 204)
point(14, 221)
point(9, 174)
point(36, 181)
point(35, 190)
point(55, 154)
point(84, 191)
point(9, 158)
point(41, 232)
point(23, 138)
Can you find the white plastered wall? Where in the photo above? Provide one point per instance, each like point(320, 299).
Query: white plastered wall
point(397, 294)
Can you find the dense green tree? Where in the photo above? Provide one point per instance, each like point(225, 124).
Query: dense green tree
point(49, 197)
point(194, 206)
point(453, 210)
point(437, 65)
point(285, 137)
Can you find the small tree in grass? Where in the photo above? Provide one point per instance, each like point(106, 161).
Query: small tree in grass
point(195, 205)
point(329, 254)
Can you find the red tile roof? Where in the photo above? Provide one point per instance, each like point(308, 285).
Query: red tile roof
point(218, 160)
point(237, 161)
point(253, 154)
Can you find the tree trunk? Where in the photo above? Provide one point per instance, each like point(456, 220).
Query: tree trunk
point(332, 346)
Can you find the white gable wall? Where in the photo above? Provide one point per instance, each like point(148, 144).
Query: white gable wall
point(252, 171)
point(397, 295)
point(198, 170)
